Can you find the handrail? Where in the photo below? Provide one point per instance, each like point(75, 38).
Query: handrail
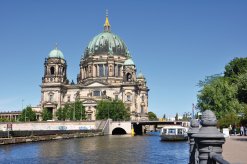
point(105, 125)
point(218, 158)
point(100, 124)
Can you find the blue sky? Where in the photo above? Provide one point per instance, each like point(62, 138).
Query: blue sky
point(174, 43)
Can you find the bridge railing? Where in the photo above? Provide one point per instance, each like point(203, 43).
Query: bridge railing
point(206, 142)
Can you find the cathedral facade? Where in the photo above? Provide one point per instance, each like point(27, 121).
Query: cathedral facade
point(107, 71)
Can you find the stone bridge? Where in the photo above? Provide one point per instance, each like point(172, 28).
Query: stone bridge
point(117, 127)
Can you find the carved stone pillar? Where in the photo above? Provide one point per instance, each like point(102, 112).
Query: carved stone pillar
point(194, 128)
point(208, 140)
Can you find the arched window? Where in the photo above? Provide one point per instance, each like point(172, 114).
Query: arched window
point(63, 70)
point(119, 71)
point(142, 110)
point(129, 77)
point(142, 97)
point(52, 70)
point(50, 98)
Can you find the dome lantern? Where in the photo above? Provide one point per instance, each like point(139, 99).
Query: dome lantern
point(107, 26)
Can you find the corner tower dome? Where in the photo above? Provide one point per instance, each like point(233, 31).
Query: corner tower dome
point(129, 62)
point(56, 53)
point(106, 43)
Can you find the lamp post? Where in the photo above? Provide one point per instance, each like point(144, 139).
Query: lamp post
point(25, 115)
point(81, 112)
point(74, 113)
point(108, 112)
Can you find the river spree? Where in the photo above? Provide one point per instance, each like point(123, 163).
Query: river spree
point(105, 149)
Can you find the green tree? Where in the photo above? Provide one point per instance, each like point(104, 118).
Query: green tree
point(235, 68)
point(242, 88)
point(61, 114)
point(230, 118)
point(28, 114)
point(176, 117)
point(152, 116)
point(219, 96)
point(186, 116)
point(79, 110)
point(112, 109)
point(46, 114)
point(71, 111)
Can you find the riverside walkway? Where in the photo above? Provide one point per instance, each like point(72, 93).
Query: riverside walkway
point(234, 149)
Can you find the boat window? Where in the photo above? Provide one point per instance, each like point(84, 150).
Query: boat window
point(164, 131)
point(171, 131)
point(180, 131)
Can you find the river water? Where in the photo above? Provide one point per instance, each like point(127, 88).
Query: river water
point(101, 149)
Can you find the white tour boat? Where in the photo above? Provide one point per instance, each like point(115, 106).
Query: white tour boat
point(174, 133)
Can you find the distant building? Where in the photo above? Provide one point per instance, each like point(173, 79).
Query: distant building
point(13, 115)
point(107, 71)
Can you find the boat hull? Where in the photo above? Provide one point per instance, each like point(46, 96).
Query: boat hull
point(173, 137)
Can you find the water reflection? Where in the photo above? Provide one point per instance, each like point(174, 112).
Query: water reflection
point(106, 149)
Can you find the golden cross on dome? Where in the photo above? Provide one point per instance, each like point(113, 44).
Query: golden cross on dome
point(107, 23)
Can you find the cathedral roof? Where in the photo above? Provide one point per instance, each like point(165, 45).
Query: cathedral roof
point(56, 53)
point(106, 43)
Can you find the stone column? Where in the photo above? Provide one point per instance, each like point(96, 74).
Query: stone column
point(94, 70)
point(194, 128)
point(208, 140)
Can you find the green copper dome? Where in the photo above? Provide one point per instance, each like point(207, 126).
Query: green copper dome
point(140, 76)
point(106, 43)
point(129, 62)
point(56, 53)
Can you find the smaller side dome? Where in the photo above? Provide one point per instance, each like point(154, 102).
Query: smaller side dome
point(129, 62)
point(140, 76)
point(56, 53)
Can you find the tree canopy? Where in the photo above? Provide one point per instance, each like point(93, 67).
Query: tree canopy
point(71, 111)
point(46, 114)
point(219, 96)
point(112, 109)
point(152, 116)
point(28, 114)
point(226, 95)
point(235, 68)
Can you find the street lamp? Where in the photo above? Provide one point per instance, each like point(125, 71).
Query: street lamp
point(81, 111)
point(108, 112)
point(74, 113)
point(22, 109)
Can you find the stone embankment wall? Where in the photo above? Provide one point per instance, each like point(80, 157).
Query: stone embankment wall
point(56, 125)
point(15, 140)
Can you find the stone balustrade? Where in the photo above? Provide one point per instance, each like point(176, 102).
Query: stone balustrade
point(206, 142)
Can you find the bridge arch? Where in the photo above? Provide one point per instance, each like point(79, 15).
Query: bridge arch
point(118, 131)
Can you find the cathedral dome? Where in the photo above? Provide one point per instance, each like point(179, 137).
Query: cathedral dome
point(106, 43)
point(56, 53)
point(129, 62)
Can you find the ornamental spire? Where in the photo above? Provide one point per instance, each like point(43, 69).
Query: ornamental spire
point(107, 25)
point(56, 46)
